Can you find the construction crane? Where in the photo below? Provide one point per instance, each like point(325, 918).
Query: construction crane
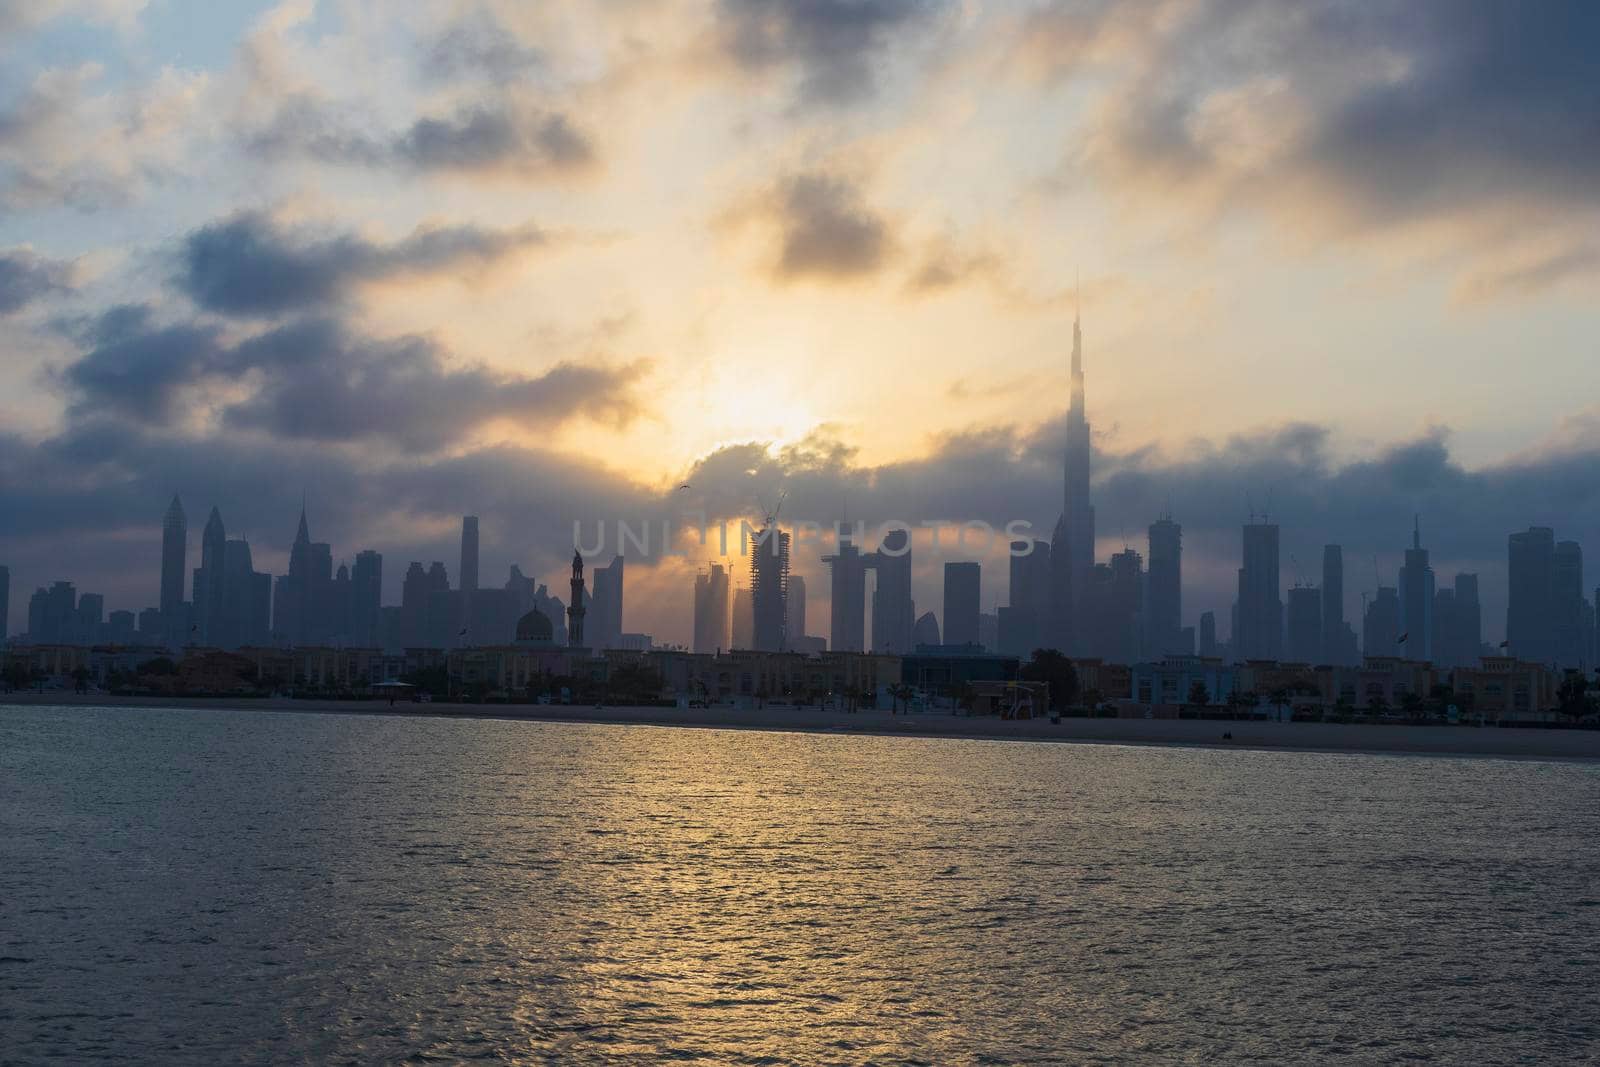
point(769, 517)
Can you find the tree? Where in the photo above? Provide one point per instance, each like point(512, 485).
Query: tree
point(1442, 697)
point(1572, 696)
point(435, 681)
point(634, 683)
point(16, 675)
point(898, 694)
point(80, 679)
point(1280, 697)
point(1057, 671)
point(1198, 693)
point(1412, 703)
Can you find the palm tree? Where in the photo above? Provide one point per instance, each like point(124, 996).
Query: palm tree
point(1280, 697)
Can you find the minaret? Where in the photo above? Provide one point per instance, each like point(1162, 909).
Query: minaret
point(576, 609)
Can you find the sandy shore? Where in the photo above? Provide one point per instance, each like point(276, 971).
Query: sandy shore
point(1324, 737)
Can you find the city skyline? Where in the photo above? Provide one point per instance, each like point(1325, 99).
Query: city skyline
point(243, 290)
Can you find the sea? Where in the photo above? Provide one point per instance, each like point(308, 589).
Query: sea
point(200, 886)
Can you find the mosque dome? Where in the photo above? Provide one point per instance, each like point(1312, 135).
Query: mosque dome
point(535, 627)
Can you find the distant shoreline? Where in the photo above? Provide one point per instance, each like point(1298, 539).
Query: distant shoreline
point(1306, 737)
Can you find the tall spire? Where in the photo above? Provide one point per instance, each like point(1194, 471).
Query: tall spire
point(1077, 355)
point(302, 536)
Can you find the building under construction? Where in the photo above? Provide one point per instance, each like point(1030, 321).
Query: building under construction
point(769, 588)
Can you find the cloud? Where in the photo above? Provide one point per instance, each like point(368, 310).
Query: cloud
point(26, 277)
point(833, 46)
point(86, 503)
point(819, 227)
point(249, 265)
point(64, 144)
point(944, 265)
point(316, 379)
point(89, 498)
point(502, 137)
point(477, 45)
point(1462, 130)
point(321, 383)
point(137, 368)
point(18, 16)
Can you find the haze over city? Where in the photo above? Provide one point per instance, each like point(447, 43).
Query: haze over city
point(545, 265)
point(799, 531)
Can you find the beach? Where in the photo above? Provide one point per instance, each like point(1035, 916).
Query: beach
point(1518, 742)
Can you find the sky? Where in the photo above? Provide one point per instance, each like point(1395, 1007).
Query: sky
point(548, 263)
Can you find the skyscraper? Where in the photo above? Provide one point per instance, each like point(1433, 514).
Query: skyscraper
point(711, 610)
point(769, 589)
point(208, 583)
point(847, 596)
point(1061, 625)
point(1457, 623)
point(893, 615)
point(246, 598)
point(1024, 622)
point(469, 577)
point(1208, 634)
point(52, 614)
point(1338, 641)
point(1304, 613)
point(743, 634)
point(469, 554)
point(604, 624)
point(1416, 599)
point(1380, 628)
point(1163, 622)
point(1259, 633)
point(1118, 599)
point(366, 598)
point(1573, 613)
point(174, 559)
point(303, 609)
point(962, 601)
point(5, 604)
point(925, 631)
point(1530, 604)
point(794, 622)
point(1078, 513)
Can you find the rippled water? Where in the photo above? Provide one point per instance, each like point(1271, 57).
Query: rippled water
point(191, 886)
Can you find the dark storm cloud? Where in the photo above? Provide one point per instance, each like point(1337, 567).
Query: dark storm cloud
point(320, 382)
point(248, 265)
point(494, 137)
point(826, 229)
point(89, 499)
point(1001, 473)
point(1499, 100)
point(135, 367)
point(26, 277)
point(315, 379)
point(80, 504)
point(835, 44)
